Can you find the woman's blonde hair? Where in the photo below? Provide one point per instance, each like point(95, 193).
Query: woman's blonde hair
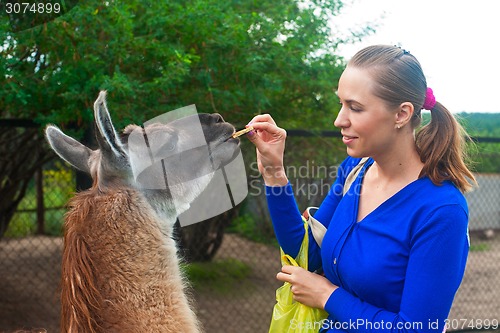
point(440, 143)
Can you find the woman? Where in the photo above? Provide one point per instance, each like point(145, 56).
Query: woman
point(397, 242)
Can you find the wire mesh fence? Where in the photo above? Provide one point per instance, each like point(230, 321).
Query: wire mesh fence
point(235, 291)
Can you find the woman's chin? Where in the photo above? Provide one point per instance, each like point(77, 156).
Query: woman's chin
point(355, 154)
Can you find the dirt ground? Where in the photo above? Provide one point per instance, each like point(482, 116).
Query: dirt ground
point(30, 273)
point(479, 295)
point(30, 278)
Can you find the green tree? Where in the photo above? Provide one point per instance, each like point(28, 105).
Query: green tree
point(238, 58)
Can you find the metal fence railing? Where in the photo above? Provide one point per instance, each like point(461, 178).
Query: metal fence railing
point(235, 292)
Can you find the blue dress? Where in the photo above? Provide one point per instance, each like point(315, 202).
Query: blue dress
point(398, 269)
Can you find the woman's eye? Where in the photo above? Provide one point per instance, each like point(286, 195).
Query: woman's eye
point(351, 107)
point(355, 109)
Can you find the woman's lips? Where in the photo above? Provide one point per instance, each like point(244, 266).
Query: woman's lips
point(347, 139)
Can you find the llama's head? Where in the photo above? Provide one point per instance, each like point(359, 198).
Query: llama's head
point(164, 161)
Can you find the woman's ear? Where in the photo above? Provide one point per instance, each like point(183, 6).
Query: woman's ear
point(404, 115)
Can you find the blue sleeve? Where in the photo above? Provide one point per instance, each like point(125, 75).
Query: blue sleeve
point(436, 265)
point(287, 219)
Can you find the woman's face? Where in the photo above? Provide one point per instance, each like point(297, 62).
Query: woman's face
point(367, 125)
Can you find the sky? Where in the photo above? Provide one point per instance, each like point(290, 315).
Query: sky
point(455, 41)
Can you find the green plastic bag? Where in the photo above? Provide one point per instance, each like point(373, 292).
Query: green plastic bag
point(290, 316)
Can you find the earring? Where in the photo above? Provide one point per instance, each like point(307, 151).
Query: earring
point(398, 126)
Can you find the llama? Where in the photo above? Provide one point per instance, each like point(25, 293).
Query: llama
point(120, 269)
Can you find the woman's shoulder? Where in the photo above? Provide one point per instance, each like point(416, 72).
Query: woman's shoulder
point(439, 195)
point(438, 208)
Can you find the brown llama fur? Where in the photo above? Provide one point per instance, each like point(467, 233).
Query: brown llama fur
point(120, 270)
point(103, 230)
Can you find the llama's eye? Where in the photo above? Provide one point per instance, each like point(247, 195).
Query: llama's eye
point(170, 146)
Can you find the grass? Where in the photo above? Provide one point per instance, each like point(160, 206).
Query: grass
point(246, 226)
point(221, 276)
point(481, 247)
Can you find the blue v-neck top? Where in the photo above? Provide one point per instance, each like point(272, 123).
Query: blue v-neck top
point(398, 269)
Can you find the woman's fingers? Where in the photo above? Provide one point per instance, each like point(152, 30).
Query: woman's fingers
point(262, 118)
point(283, 277)
point(266, 134)
point(269, 139)
point(269, 128)
point(307, 288)
point(265, 131)
point(266, 128)
point(286, 274)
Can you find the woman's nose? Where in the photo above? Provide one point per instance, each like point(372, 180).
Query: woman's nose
point(341, 121)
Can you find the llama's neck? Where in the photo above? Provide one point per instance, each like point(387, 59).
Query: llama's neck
point(165, 211)
point(120, 267)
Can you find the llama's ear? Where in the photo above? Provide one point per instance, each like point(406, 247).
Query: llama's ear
point(68, 148)
point(107, 137)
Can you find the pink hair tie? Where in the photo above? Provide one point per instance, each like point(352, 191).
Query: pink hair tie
point(430, 100)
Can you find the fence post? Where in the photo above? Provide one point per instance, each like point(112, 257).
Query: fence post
point(40, 207)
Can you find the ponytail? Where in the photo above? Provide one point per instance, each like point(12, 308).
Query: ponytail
point(441, 146)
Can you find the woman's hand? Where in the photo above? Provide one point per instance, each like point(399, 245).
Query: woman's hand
point(308, 288)
point(269, 140)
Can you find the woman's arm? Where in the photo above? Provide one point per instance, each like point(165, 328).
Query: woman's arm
point(287, 220)
point(269, 140)
point(435, 269)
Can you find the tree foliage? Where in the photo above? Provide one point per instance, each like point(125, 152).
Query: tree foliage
point(481, 124)
point(238, 58)
point(485, 155)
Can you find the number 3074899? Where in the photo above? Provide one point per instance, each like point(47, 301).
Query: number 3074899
point(32, 8)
